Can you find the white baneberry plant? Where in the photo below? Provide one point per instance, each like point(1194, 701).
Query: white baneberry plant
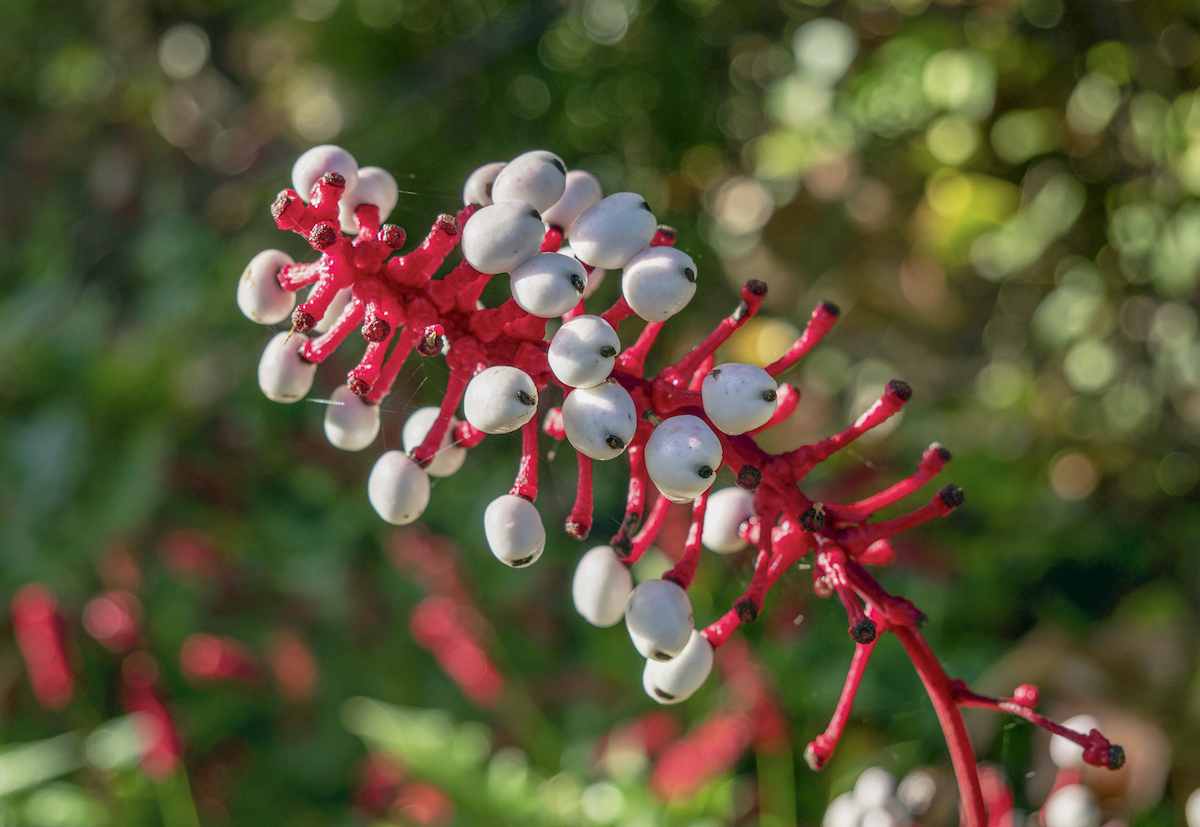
point(677, 429)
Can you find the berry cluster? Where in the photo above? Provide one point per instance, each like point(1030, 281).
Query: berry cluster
point(677, 429)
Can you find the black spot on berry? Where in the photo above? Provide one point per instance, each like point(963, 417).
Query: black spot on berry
point(689, 274)
point(615, 442)
point(608, 351)
point(525, 399)
point(666, 696)
point(558, 165)
point(704, 472)
point(577, 282)
point(646, 207)
point(770, 395)
point(524, 561)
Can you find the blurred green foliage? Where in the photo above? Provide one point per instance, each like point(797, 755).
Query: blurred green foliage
point(1003, 196)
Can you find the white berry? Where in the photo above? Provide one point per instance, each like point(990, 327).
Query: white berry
point(1191, 812)
point(739, 398)
point(613, 230)
point(1073, 805)
point(600, 421)
point(659, 282)
point(397, 488)
point(601, 587)
point(594, 279)
point(583, 190)
point(537, 178)
point(1064, 752)
point(282, 374)
point(449, 457)
point(500, 399)
point(874, 787)
point(501, 237)
point(843, 811)
point(583, 351)
point(375, 186)
point(351, 422)
point(658, 616)
point(676, 680)
point(548, 285)
point(514, 531)
point(727, 510)
point(259, 295)
point(682, 457)
point(312, 165)
point(478, 188)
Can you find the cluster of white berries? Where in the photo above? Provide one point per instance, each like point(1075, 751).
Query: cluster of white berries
point(515, 205)
point(877, 801)
point(657, 613)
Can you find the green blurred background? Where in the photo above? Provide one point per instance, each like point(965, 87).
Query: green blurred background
point(1003, 197)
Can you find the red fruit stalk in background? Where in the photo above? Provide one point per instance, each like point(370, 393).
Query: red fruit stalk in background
point(41, 636)
point(397, 302)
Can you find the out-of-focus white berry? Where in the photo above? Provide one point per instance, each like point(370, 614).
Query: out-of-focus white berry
point(916, 791)
point(1072, 805)
point(340, 299)
point(501, 237)
point(583, 351)
point(538, 178)
point(843, 811)
point(375, 186)
point(478, 188)
point(314, 163)
point(659, 619)
point(351, 423)
point(659, 282)
point(514, 531)
point(1066, 753)
point(259, 295)
point(739, 398)
point(599, 421)
point(727, 510)
point(282, 374)
point(500, 399)
point(582, 191)
point(595, 277)
point(676, 680)
point(874, 788)
point(878, 817)
point(449, 457)
point(397, 488)
point(548, 285)
point(613, 230)
point(1191, 812)
point(682, 457)
point(601, 587)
